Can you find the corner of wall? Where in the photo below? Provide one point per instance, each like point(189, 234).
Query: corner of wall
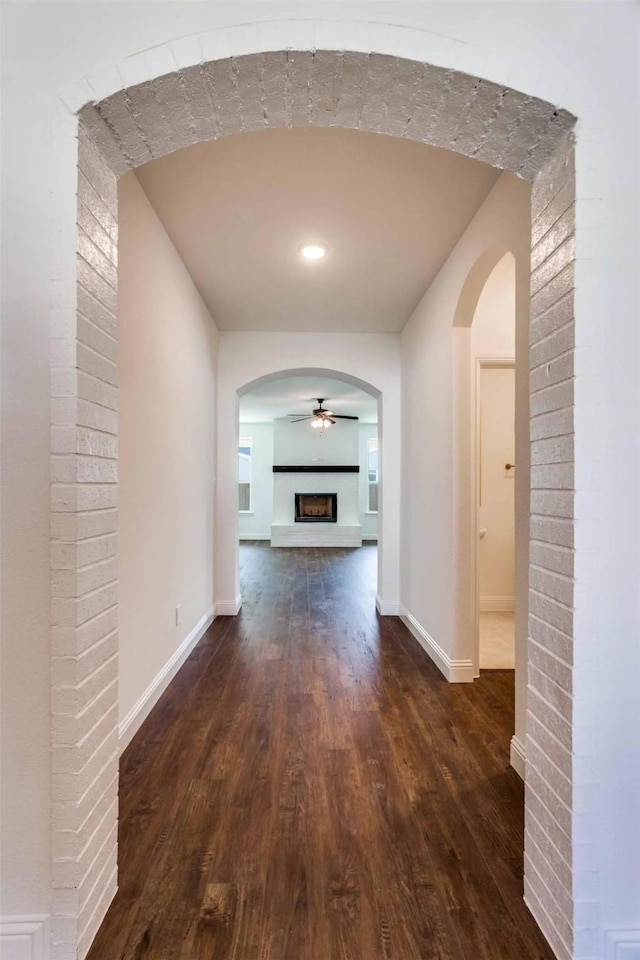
point(455, 671)
point(229, 608)
point(387, 608)
point(130, 725)
point(518, 757)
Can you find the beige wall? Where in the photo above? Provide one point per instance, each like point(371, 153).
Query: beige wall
point(493, 331)
point(437, 587)
point(167, 448)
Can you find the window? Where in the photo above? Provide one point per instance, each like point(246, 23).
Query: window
point(244, 475)
point(372, 474)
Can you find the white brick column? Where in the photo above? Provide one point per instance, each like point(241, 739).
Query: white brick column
point(83, 579)
point(548, 808)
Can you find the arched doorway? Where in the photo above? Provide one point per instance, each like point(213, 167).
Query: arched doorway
point(514, 245)
point(499, 125)
point(232, 385)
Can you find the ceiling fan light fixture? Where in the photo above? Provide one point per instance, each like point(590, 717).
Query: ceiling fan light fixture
point(320, 422)
point(321, 417)
point(313, 251)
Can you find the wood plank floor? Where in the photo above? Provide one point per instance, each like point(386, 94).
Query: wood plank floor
point(310, 788)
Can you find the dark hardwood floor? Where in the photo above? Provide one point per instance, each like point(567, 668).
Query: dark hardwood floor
point(310, 788)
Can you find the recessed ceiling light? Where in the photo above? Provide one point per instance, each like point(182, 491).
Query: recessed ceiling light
point(313, 251)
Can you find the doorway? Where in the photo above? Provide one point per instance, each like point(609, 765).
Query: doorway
point(496, 514)
point(307, 481)
point(536, 147)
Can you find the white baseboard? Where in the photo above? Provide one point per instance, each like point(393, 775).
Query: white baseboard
point(387, 608)
point(24, 937)
point(497, 604)
point(128, 727)
point(455, 671)
point(622, 945)
point(518, 757)
point(229, 608)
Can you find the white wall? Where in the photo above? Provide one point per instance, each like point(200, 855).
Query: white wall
point(167, 352)
point(582, 56)
point(368, 521)
point(257, 524)
point(300, 443)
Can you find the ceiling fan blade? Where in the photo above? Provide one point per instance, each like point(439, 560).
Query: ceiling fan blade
point(329, 419)
point(300, 420)
point(298, 414)
point(343, 416)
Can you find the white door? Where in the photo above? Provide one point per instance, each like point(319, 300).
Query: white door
point(496, 517)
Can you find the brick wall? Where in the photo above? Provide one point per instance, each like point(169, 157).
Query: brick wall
point(375, 92)
point(548, 812)
point(388, 95)
point(84, 579)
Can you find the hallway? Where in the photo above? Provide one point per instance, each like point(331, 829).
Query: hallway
point(310, 788)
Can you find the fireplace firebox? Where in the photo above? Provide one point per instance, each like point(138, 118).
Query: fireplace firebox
point(316, 507)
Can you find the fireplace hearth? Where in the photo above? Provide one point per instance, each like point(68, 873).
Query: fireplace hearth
point(316, 507)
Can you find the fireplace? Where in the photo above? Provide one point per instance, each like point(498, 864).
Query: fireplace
point(316, 507)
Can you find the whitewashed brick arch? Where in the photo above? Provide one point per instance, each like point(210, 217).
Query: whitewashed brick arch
point(372, 92)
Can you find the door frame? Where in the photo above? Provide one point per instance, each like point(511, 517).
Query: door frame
point(478, 364)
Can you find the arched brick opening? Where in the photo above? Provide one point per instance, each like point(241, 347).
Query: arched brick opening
point(372, 92)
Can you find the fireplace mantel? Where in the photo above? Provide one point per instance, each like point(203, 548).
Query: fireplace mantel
point(318, 468)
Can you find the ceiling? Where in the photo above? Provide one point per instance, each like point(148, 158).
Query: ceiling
point(389, 211)
point(299, 395)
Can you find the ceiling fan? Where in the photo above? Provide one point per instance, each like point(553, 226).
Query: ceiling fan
point(320, 417)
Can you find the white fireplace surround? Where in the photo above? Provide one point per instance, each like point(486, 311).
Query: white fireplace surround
point(285, 532)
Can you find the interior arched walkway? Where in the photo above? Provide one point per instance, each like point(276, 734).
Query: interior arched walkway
point(467, 114)
point(235, 362)
point(482, 261)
